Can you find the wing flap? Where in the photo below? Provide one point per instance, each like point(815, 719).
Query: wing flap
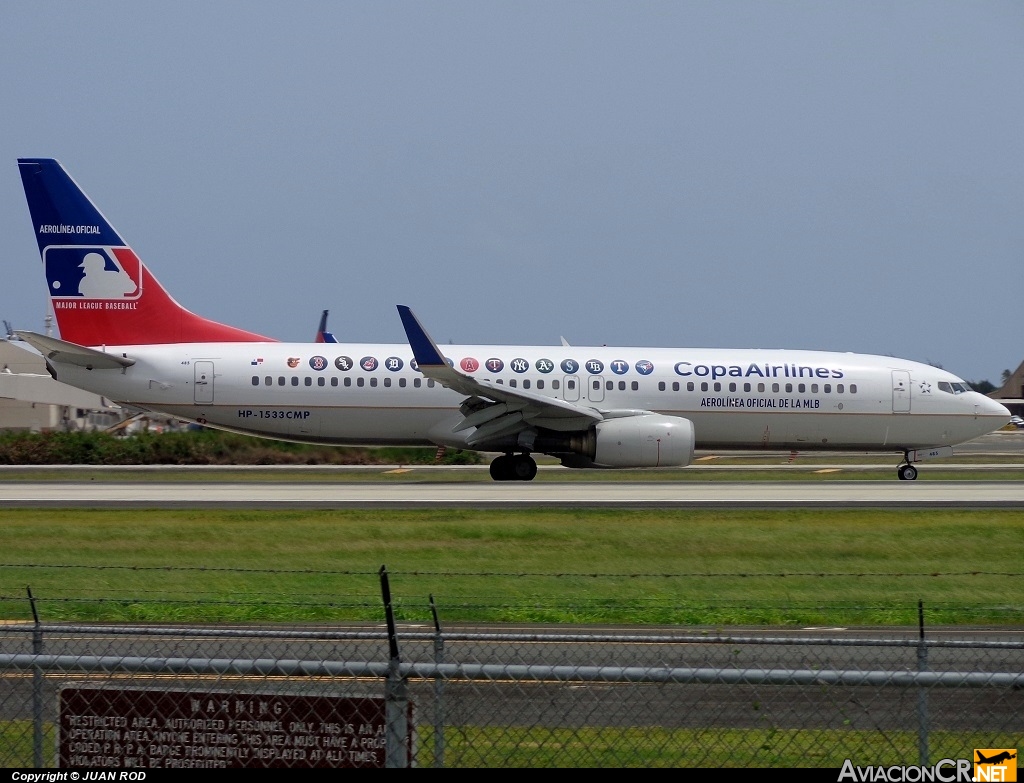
point(521, 408)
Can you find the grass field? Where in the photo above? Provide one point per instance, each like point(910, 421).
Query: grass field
point(678, 567)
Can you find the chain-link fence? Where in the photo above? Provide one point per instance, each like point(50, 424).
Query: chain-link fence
point(88, 696)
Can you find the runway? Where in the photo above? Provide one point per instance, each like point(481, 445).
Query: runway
point(434, 494)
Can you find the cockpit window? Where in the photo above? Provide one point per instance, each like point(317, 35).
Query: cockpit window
point(953, 388)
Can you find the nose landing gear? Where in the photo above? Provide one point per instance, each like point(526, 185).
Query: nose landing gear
point(513, 467)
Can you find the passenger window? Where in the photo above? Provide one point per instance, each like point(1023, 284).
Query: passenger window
point(597, 385)
point(309, 381)
point(760, 387)
point(555, 384)
point(268, 380)
point(570, 384)
point(334, 381)
point(387, 382)
point(814, 388)
point(540, 384)
point(348, 380)
point(853, 388)
point(295, 380)
point(801, 388)
point(634, 385)
point(321, 381)
point(255, 380)
point(512, 382)
point(746, 387)
point(675, 385)
point(373, 382)
point(839, 388)
point(732, 387)
point(661, 385)
point(526, 384)
point(622, 386)
point(828, 388)
point(718, 386)
point(609, 385)
point(360, 381)
point(280, 380)
point(417, 382)
point(430, 383)
point(789, 388)
point(775, 388)
point(401, 382)
point(689, 386)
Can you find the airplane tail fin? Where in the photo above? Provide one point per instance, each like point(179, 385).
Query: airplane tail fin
point(101, 293)
point(322, 335)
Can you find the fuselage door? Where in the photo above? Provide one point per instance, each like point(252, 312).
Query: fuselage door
point(203, 382)
point(900, 391)
point(571, 392)
point(596, 393)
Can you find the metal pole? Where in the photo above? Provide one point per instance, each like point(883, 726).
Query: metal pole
point(396, 690)
point(922, 692)
point(37, 686)
point(438, 690)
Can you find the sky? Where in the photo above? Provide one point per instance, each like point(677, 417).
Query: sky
point(843, 176)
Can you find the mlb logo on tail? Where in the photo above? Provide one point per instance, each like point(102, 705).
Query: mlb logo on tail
point(92, 272)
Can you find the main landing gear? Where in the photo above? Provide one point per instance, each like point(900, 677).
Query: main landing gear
point(513, 467)
point(906, 471)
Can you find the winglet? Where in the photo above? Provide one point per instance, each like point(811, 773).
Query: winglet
point(423, 346)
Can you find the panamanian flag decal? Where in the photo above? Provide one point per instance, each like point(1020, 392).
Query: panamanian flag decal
point(77, 272)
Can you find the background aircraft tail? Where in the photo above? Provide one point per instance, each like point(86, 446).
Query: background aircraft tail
point(101, 293)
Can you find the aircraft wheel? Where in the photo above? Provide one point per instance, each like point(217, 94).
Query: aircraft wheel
point(906, 472)
point(524, 468)
point(500, 468)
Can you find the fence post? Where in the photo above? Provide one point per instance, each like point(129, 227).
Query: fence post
point(396, 690)
point(438, 690)
point(37, 686)
point(922, 692)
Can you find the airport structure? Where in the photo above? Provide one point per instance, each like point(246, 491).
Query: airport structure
point(31, 400)
point(1011, 393)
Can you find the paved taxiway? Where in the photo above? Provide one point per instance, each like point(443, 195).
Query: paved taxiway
point(762, 494)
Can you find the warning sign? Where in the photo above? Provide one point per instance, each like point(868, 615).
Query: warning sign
point(147, 729)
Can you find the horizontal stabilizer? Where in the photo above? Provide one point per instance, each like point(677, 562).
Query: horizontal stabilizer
point(69, 353)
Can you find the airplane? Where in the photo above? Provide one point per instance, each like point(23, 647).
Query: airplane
point(124, 337)
point(322, 335)
point(996, 759)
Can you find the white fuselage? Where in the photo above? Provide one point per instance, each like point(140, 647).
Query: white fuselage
point(370, 394)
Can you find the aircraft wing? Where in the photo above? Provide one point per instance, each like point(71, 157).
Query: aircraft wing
point(71, 353)
point(495, 410)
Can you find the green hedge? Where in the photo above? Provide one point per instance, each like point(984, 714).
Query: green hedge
point(205, 447)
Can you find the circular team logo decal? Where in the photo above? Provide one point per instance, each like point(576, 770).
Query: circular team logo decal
point(393, 363)
point(414, 365)
point(318, 363)
point(293, 361)
point(544, 365)
point(519, 365)
point(619, 366)
point(494, 365)
point(469, 364)
point(368, 363)
point(644, 367)
point(343, 363)
point(595, 366)
point(570, 366)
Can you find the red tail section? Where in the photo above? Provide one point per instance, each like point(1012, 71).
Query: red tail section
point(101, 293)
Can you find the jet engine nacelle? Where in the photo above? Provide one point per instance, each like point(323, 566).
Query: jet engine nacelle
point(647, 441)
